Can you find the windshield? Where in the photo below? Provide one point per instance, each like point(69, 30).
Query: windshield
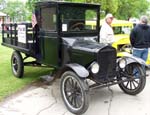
point(74, 18)
point(122, 29)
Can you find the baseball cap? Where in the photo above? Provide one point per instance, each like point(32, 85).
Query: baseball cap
point(109, 15)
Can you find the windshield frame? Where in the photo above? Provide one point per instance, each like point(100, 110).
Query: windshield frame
point(94, 7)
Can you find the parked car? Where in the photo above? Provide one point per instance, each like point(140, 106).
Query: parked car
point(121, 29)
point(61, 39)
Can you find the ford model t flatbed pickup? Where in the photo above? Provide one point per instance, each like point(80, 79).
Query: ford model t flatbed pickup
point(61, 39)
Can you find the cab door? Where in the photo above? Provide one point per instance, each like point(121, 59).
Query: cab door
point(49, 42)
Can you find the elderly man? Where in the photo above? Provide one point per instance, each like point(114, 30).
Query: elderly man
point(106, 32)
point(139, 38)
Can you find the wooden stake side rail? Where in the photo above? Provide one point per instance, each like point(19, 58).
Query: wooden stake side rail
point(19, 37)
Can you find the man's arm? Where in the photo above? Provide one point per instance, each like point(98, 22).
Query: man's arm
point(132, 37)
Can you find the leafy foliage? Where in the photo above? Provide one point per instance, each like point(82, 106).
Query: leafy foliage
point(131, 8)
point(30, 4)
point(2, 4)
point(121, 9)
point(16, 10)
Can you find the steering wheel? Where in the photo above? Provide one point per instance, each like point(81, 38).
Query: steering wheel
point(77, 26)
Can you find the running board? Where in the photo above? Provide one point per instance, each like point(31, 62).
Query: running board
point(47, 78)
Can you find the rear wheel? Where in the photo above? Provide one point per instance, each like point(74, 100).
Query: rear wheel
point(74, 93)
point(135, 77)
point(17, 64)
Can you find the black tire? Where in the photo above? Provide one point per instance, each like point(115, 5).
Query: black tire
point(74, 92)
point(17, 64)
point(136, 79)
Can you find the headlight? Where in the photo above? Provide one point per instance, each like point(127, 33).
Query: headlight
point(122, 63)
point(95, 67)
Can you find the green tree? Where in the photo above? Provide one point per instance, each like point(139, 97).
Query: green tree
point(2, 4)
point(30, 4)
point(131, 8)
point(15, 10)
point(121, 9)
point(107, 6)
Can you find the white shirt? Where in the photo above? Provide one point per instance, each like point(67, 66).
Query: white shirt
point(106, 34)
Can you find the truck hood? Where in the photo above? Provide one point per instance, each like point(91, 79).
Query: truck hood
point(121, 36)
point(85, 44)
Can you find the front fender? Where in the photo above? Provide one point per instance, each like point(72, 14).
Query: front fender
point(78, 69)
point(132, 59)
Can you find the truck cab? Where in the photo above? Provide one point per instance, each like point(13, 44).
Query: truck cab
point(61, 23)
point(59, 37)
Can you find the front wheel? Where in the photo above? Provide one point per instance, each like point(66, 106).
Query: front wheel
point(135, 79)
point(74, 92)
point(17, 64)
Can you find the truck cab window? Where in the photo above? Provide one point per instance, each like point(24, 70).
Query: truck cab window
point(74, 19)
point(48, 19)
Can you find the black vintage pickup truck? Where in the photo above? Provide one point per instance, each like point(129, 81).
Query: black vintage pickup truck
point(59, 37)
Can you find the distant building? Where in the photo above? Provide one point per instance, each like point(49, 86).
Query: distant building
point(2, 17)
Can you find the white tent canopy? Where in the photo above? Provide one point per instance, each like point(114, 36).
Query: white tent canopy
point(2, 14)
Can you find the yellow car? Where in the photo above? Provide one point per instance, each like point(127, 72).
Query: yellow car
point(122, 29)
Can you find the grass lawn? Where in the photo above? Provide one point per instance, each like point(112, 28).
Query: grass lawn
point(8, 83)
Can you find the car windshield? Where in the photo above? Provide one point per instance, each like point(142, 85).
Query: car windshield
point(74, 18)
point(122, 29)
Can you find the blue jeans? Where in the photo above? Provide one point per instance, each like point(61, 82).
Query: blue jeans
point(141, 53)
